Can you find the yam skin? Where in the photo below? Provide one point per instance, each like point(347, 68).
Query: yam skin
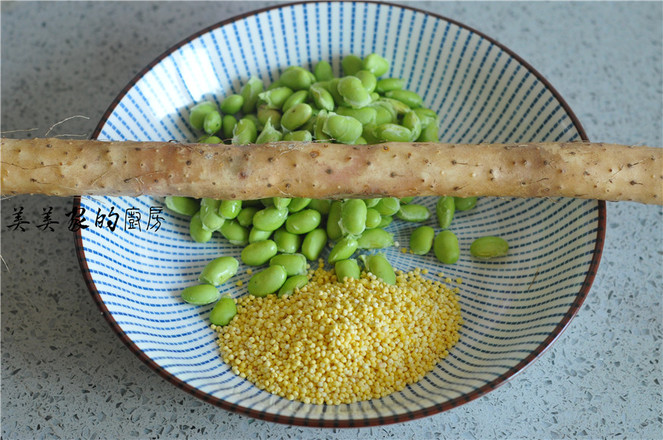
point(601, 171)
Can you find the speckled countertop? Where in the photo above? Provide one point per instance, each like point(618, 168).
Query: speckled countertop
point(66, 375)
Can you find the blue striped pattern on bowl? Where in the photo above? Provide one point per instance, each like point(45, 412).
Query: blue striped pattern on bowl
point(513, 308)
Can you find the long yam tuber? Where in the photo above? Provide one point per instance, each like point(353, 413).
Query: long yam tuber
point(324, 170)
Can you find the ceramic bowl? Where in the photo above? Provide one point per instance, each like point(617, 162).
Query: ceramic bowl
point(513, 307)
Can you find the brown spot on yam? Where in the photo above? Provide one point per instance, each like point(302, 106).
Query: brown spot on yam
point(314, 154)
point(329, 171)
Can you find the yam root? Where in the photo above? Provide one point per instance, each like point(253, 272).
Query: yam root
point(324, 170)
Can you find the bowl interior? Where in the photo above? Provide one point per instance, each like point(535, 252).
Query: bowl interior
point(513, 308)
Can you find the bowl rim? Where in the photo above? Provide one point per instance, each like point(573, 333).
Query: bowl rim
point(364, 422)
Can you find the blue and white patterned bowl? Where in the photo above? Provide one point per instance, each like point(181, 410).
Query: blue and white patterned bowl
point(513, 308)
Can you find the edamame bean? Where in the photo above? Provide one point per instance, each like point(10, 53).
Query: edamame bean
point(379, 266)
point(421, 240)
point(353, 217)
point(411, 99)
point(445, 208)
point(386, 221)
point(294, 264)
point(182, 205)
point(343, 249)
point(291, 285)
point(429, 133)
point(198, 112)
point(412, 122)
point(212, 122)
point(425, 116)
point(445, 247)
point(388, 84)
point(287, 242)
point(210, 140)
point(234, 232)
point(399, 107)
point(228, 124)
point(281, 202)
point(245, 132)
point(232, 104)
point(303, 222)
point(375, 64)
point(200, 295)
point(268, 115)
point(465, 203)
point(313, 244)
point(388, 206)
point(318, 126)
point(320, 205)
point(269, 134)
point(334, 231)
point(392, 133)
point(384, 113)
point(223, 312)
point(298, 203)
point(219, 270)
point(353, 92)
point(196, 230)
point(298, 136)
point(245, 216)
point(276, 97)
point(351, 64)
point(347, 269)
point(267, 281)
point(296, 116)
point(413, 213)
point(367, 79)
point(321, 97)
point(270, 218)
point(365, 115)
point(406, 200)
point(249, 93)
point(344, 129)
point(209, 214)
point(375, 239)
point(258, 253)
point(370, 203)
point(489, 247)
point(297, 78)
point(229, 209)
point(323, 71)
point(256, 235)
point(298, 97)
point(373, 218)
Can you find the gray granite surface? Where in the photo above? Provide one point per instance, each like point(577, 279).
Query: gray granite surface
point(66, 375)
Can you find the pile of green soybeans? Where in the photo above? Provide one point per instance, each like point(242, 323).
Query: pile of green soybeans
point(286, 233)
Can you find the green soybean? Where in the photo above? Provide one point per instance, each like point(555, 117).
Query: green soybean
point(320, 205)
point(376, 64)
point(249, 93)
point(276, 97)
point(351, 64)
point(445, 208)
point(298, 136)
point(297, 78)
point(269, 134)
point(291, 285)
point(429, 133)
point(212, 122)
point(200, 295)
point(347, 269)
point(388, 206)
point(353, 92)
point(294, 264)
point(298, 97)
point(321, 97)
point(343, 249)
point(228, 124)
point(232, 104)
point(287, 242)
point(270, 218)
point(412, 122)
point(281, 202)
point(209, 214)
point(379, 266)
point(373, 218)
point(407, 97)
point(385, 221)
point(267, 281)
point(465, 203)
point(375, 239)
point(256, 234)
point(344, 129)
point(445, 247)
point(210, 140)
point(370, 203)
point(198, 113)
point(303, 222)
point(384, 113)
point(388, 84)
point(334, 231)
point(196, 230)
point(245, 132)
point(365, 115)
point(229, 209)
point(393, 133)
point(223, 312)
point(182, 205)
point(298, 203)
point(406, 200)
point(421, 240)
point(313, 244)
point(489, 247)
point(296, 116)
point(267, 115)
point(235, 233)
point(413, 212)
point(353, 217)
point(245, 216)
point(367, 79)
point(219, 270)
point(258, 253)
point(323, 71)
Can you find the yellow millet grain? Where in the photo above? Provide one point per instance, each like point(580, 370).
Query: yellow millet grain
point(340, 342)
